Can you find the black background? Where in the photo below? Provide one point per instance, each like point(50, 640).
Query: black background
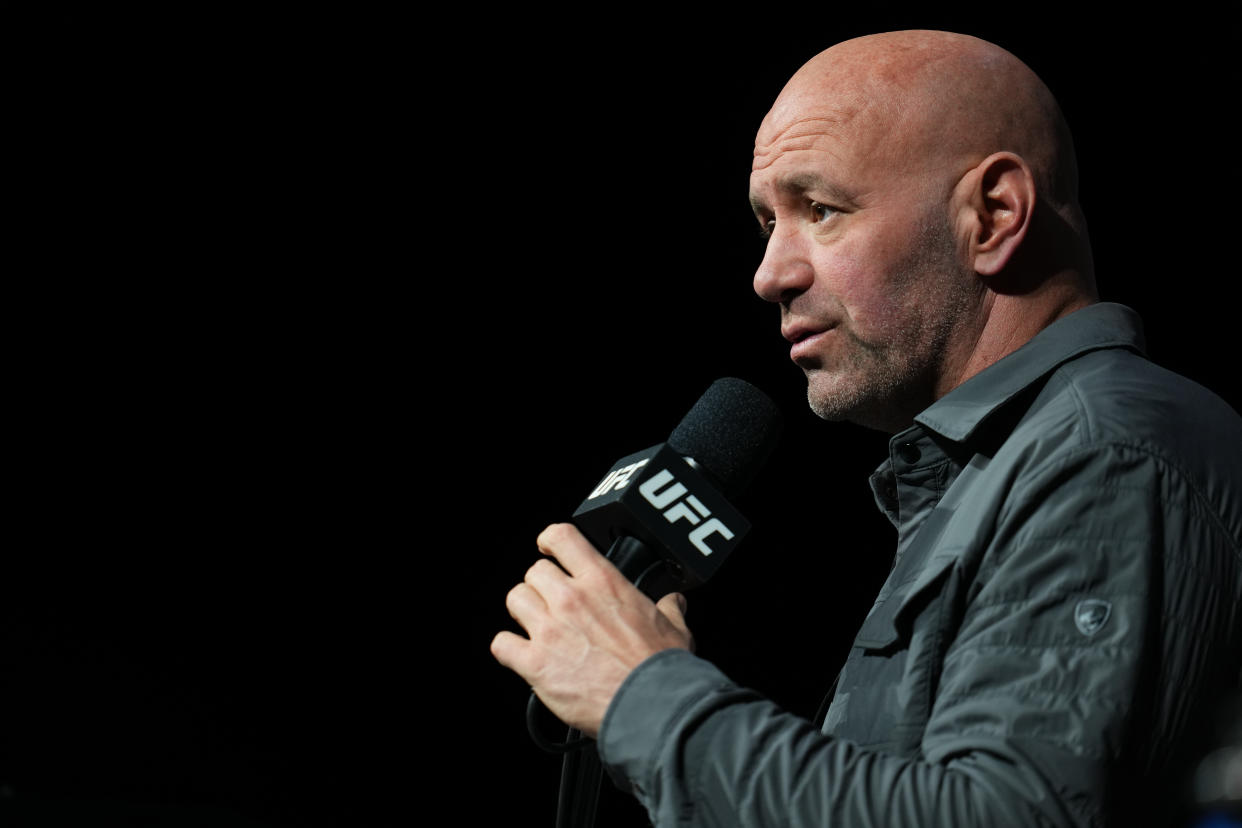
point(317, 321)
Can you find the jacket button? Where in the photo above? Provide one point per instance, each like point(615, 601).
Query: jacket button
point(909, 452)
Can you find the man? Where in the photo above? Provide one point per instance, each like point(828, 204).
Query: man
point(1064, 604)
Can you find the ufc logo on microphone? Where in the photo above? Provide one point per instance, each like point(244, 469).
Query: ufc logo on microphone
point(690, 508)
point(617, 479)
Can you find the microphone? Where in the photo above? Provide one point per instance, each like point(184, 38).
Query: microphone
point(664, 517)
point(663, 514)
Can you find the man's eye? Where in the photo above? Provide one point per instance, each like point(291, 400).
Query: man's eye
point(821, 211)
point(765, 229)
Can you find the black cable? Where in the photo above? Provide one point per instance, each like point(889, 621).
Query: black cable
point(581, 773)
point(570, 744)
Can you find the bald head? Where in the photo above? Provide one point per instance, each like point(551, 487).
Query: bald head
point(919, 194)
point(933, 100)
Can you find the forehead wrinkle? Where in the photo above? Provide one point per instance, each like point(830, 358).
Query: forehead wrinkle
point(769, 156)
point(811, 125)
point(808, 121)
point(766, 156)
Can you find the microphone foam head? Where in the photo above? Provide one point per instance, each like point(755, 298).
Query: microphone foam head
point(730, 432)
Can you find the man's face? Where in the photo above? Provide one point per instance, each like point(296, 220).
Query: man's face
point(861, 258)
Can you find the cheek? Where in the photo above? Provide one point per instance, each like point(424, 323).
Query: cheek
point(868, 287)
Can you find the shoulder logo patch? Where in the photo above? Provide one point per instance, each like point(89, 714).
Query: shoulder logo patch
point(1091, 614)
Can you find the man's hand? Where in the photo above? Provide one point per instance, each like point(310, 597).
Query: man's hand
point(588, 629)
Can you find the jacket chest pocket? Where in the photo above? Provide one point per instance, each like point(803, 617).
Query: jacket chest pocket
point(890, 678)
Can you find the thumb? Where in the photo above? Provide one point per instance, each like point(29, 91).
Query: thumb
point(673, 607)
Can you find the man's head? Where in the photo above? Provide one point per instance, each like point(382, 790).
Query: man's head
point(919, 190)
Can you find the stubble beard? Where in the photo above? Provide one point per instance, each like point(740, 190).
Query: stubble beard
point(885, 381)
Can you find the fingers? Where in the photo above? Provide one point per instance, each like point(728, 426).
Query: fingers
point(529, 603)
point(525, 604)
point(509, 649)
point(587, 628)
point(546, 577)
point(571, 549)
point(545, 585)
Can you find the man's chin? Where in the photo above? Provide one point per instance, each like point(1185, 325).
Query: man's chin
point(830, 395)
point(839, 404)
point(833, 407)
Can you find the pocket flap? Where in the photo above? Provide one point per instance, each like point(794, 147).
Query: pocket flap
point(889, 621)
point(914, 577)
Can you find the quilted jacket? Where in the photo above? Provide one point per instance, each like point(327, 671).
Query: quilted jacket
point(1061, 616)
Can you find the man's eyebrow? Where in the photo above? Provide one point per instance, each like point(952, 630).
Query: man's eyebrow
point(802, 182)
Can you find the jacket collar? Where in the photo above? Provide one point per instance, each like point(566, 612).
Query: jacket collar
point(1102, 325)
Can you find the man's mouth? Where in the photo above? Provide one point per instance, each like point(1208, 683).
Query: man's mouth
point(805, 338)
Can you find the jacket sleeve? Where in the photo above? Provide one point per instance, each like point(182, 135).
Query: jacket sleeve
point(697, 750)
point(1030, 714)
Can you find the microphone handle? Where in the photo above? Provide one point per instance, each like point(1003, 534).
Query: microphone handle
point(640, 564)
point(581, 771)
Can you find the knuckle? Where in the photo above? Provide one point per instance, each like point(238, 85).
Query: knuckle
point(601, 577)
point(542, 565)
point(514, 596)
point(566, 600)
point(532, 662)
point(554, 535)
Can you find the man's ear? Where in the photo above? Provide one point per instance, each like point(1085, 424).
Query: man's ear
point(997, 199)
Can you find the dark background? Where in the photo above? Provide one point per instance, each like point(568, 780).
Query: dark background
point(317, 321)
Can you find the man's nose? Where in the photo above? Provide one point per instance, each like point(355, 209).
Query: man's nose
point(785, 271)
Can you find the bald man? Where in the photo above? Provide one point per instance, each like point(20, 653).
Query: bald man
point(1064, 604)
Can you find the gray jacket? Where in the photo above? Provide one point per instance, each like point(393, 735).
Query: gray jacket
point(1062, 612)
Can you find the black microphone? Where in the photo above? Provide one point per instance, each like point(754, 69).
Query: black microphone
point(663, 514)
point(664, 518)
